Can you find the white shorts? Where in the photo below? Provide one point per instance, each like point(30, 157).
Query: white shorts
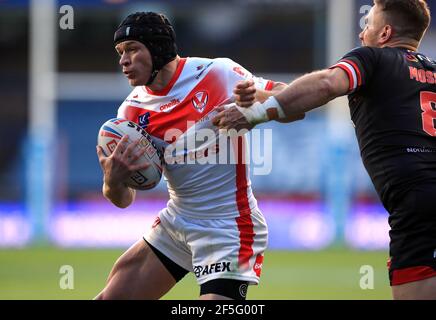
point(213, 248)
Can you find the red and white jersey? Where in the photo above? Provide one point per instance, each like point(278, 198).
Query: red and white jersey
point(198, 188)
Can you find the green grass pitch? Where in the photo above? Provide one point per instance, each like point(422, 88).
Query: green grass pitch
point(33, 273)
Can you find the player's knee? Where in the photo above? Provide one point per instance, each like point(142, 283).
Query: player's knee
point(116, 268)
point(417, 290)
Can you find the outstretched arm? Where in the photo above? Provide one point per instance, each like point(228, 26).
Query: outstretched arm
point(246, 94)
point(302, 95)
point(313, 90)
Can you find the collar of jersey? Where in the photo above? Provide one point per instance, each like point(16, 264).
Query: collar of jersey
point(170, 84)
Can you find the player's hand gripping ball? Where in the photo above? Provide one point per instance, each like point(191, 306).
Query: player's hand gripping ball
point(111, 133)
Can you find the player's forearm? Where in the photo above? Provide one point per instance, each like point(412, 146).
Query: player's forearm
point(262, 95)
point(306, 93)
point(120, 195)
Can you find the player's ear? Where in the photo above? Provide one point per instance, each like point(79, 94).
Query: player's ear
point(386, 34)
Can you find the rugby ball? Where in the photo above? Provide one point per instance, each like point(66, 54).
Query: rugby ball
point(111, 133)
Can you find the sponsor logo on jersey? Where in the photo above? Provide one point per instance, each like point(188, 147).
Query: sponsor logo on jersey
point(258, 264)
point(171, 156)
point(200, 67)
point(199, 100)
point(212, 268)
point(199, 75)
point(169, 106)
point(132, 101)
point(243, 290)
point(240, 71)
point(410, 57)
point(144, 120)
point(156, 223)
point(135, 96)
point(420, 150)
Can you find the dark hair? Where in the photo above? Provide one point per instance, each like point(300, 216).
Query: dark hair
point(409, 18)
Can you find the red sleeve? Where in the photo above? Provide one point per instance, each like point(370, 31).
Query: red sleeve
point(353, 72)
point(359, 64)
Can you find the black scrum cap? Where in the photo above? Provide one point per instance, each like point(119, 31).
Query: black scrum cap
point(155, 32)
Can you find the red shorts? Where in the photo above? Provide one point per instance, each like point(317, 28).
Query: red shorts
point(411, 274)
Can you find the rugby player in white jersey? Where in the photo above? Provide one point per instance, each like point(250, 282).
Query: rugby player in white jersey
point(211, 225)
